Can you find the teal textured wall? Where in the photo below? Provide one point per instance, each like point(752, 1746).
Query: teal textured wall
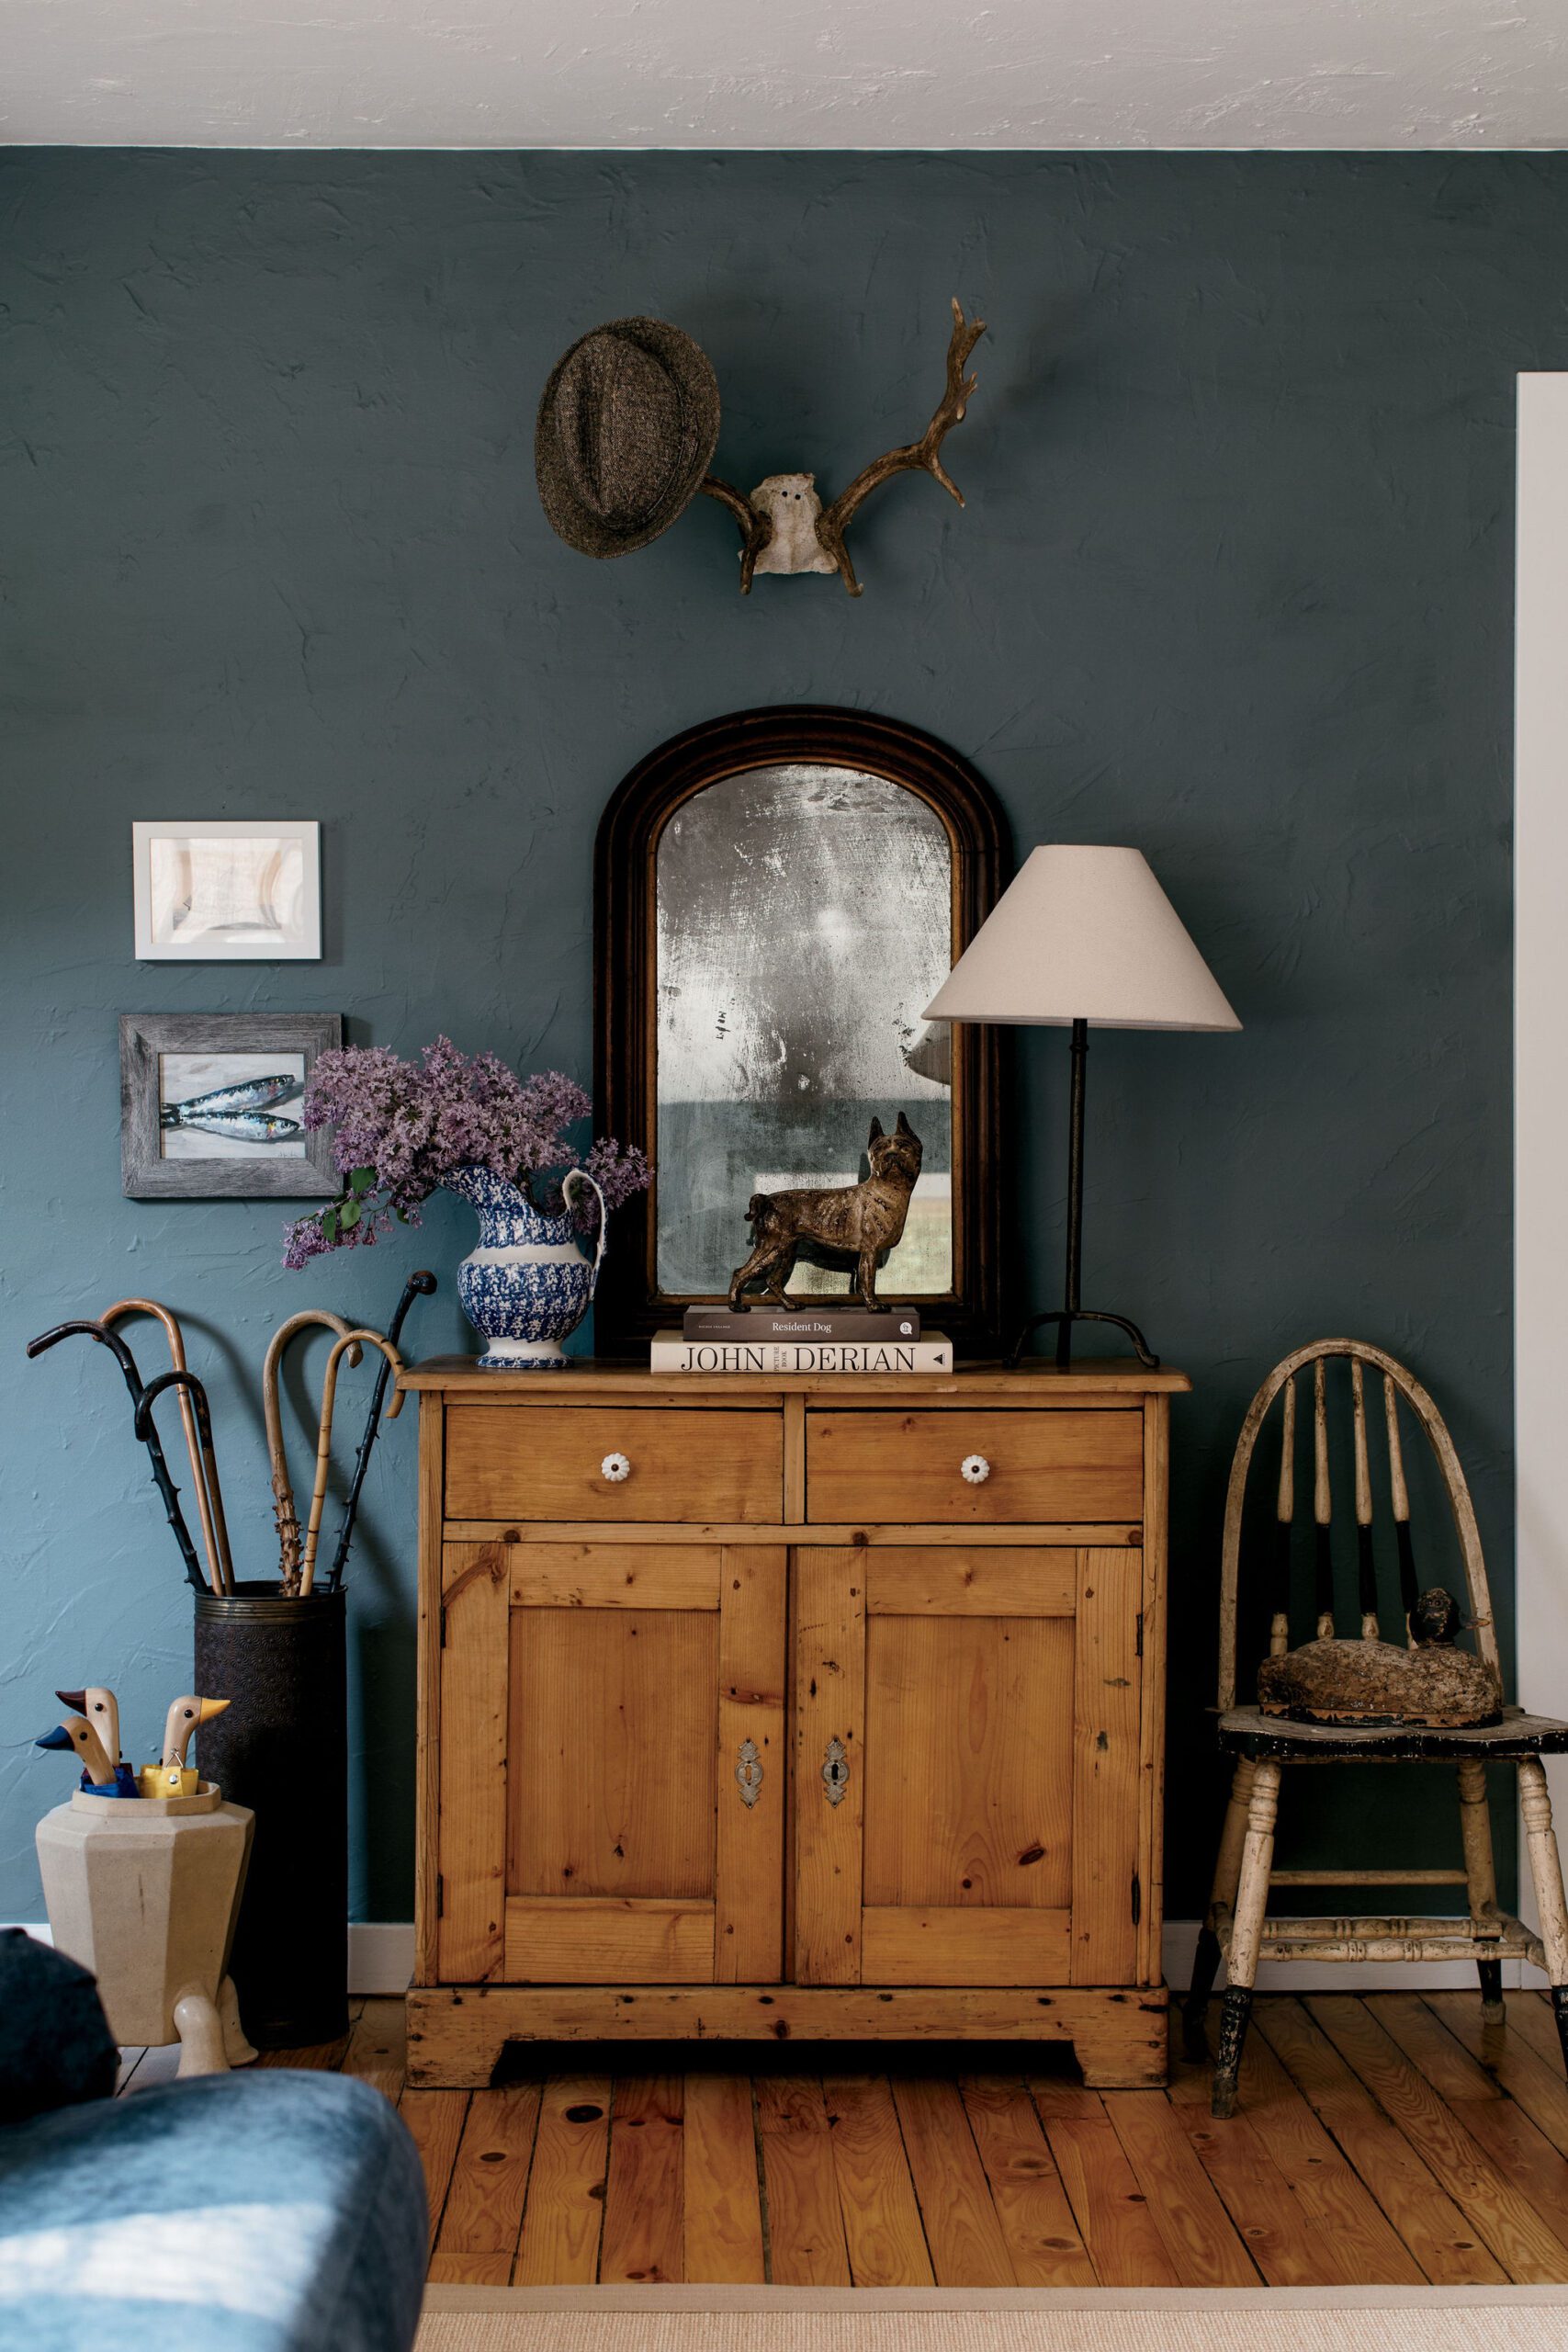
point(1234, 583)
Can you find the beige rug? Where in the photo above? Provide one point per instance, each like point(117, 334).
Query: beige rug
point(739, 2320)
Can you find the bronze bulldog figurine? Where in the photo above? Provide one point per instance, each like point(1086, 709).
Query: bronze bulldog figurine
point(858, 1221)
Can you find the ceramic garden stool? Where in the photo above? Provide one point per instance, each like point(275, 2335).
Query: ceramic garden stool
point(145, 1894)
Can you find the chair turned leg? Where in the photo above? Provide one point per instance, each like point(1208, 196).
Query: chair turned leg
point(1546, 1872)
point(1246, 1934)
point(1227, 1875)
point(1481, 1877)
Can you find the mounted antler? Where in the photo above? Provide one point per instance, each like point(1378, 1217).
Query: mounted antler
point(785, 527)
point(916, 456)
point(756, 527)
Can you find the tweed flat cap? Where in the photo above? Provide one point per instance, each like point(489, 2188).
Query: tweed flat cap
point(626, 430)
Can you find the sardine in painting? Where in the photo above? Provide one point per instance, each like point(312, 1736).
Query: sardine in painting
point(212, 1107)
point(230, 1106)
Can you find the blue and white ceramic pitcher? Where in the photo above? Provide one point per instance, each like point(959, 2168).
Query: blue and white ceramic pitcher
point(528, 1285)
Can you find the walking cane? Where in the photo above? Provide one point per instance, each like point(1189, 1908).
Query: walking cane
point(284, 1513)
point(167, 1487)
point(214, 1532)
point(324, 1441)
point(189, 1387)
point(419, 1285)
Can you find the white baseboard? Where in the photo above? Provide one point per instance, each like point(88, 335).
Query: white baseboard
point(380, 1952)
point(380, 1960)
point(380, 1955)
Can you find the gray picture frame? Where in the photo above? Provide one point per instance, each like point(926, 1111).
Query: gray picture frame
point(146, 1175)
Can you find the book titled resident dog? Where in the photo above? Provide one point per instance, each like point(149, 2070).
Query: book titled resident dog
point(802, 1326)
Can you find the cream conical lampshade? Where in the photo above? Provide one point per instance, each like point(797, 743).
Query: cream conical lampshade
point(1084, 933)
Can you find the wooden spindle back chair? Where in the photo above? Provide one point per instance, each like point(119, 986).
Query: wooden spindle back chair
point(1235, 1928)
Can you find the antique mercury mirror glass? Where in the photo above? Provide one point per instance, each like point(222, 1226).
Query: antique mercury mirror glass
point(779, 897)
point(802, 917)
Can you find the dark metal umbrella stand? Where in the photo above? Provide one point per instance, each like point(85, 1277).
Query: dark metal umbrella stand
point(282, 1750)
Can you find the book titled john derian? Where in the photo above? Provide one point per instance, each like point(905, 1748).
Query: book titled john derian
point(746, 1346)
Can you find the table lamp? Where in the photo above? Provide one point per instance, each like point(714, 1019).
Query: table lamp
point(1082, 934)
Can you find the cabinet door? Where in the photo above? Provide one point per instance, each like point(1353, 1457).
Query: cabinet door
point(966, 1766)
point(612, 1763)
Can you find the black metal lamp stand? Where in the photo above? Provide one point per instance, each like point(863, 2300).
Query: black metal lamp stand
point(1064, 1317)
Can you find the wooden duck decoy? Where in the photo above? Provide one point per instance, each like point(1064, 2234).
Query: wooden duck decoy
point(102, 1710)
point(104, 1778)
point(1432, 1683)
point(172, 1776)
point(181, 1723)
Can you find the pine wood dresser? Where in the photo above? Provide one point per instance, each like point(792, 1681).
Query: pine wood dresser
point(790, 1708)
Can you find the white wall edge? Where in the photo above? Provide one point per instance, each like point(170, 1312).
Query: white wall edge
point(380, 1963)
point(1541, 1060)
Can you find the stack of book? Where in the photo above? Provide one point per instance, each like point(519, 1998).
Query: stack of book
point(805, 1338)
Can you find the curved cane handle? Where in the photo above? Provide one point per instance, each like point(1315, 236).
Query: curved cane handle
point(350, 1345)
point(284, 1510)
point(214, 1529)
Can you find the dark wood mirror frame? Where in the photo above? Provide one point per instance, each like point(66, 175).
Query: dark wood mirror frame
point(630, 1306)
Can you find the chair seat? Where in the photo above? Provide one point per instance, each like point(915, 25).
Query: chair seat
point(1247, 1731)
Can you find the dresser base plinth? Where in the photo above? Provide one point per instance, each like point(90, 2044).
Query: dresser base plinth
point(459, 2035)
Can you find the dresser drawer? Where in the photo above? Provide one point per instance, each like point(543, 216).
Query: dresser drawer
point(549, 1463)
point(1039, 1467)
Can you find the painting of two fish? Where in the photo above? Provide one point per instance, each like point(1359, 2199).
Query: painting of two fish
point(230, 1106)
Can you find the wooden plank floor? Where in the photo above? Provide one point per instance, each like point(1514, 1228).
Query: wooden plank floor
point(1384, 2141)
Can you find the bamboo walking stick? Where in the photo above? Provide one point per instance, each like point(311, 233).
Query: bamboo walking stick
point(324, 1439)
point(282, 1508)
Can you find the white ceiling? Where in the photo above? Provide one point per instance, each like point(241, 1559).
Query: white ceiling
point(736, 74)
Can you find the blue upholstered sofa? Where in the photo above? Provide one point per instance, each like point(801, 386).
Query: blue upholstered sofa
point(263, 2211)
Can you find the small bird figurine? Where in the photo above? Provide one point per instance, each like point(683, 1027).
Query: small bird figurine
point(102, 1710)
point(181, 1721)
point(172, 1776)
point(104, 1778)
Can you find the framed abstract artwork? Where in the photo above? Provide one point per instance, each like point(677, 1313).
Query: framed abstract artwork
point(228, 891)
point(211, 1106)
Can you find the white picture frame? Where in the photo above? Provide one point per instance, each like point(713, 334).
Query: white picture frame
point(227, 890)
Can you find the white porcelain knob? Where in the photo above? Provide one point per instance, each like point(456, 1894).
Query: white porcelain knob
point(975, 1469)
point(615, 1467)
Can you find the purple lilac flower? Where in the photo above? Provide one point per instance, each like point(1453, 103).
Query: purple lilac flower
point(402, 1127)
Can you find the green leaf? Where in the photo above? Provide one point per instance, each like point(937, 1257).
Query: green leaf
point(361, 1179)
point(403, 1216)
point(329, 1227)
point(349, 1216)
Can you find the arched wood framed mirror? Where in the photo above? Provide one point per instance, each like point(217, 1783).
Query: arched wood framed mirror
point(778, 896)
